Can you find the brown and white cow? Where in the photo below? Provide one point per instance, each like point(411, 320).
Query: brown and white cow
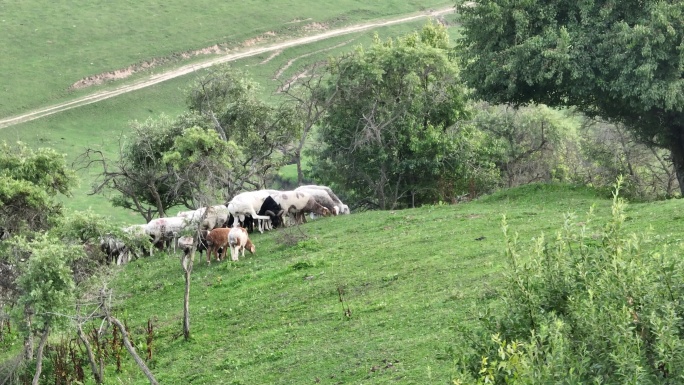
point(238, 240)
point(299, 203)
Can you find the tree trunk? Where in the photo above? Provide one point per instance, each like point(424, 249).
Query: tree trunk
point(300, 173)
point(39, 355)
point(677, 151)
point(186, 263)
point(97, 370)
point(28, 339)
point(131, 350)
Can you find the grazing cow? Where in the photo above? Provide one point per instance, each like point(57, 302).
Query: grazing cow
point(138, 240)
point(322, 198)
point(341, 207)
point(217, 239)
point(122, 249)
point(238, 240)
point(115, 249)
point(248, 203)
point(211, 217)
point(161, 230)
point(185, 243)
point(298, 203)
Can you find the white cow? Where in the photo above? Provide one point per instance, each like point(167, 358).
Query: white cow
point(211, 217)
point(248, 204)
point(238, 240)
point(322, 198)
point(341, 207)
point(163, 229)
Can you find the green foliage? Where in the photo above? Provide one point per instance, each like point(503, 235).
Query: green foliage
point(589, 305)
point(227, 101)
point(389, 134)
point(606, 151)
point(616, 60)
point(47, 284)
point(29, 182)
point(82, 227)
point(532, 140)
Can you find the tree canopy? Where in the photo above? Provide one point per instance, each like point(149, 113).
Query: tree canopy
point(29, 181)
point(619, 60)
point(389, 130)
point(227, 141)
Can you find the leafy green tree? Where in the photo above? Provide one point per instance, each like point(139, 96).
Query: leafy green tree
point(227, 101)
point(531, 139)
point(47, 289)
point(166, 163)
point(388, 134)
point(29, 182)
point(619, 60)
point(227, 141)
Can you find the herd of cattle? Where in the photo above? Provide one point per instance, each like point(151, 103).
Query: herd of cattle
point(219, 227)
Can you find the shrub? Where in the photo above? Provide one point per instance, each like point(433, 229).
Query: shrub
point(591, 305)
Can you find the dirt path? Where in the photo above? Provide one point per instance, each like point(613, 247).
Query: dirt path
point(184, 70)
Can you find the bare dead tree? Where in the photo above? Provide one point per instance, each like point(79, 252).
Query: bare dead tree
point(310, 103)
point(106, 314)
point(39, 355)
point(139, 189)
point(95, 367)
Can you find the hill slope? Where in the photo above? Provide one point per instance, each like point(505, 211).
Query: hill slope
point(407, 278)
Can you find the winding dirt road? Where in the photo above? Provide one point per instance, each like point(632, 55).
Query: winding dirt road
point(184, 70)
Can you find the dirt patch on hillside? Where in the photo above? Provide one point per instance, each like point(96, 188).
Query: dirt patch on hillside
point(216, 49)
point(261, 38)
point(274, 54)
point(297, 20)
point(287, 65)
point(312, 27)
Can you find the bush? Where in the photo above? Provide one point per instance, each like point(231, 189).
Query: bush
point(587, 306)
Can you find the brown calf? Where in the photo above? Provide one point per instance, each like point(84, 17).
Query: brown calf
point(216, 239)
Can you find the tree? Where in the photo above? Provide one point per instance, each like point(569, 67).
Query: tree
point(47, 289)
point(226, 142)
point(165, 164)
point(530, 137)
point(29, 182)
point(226, 100)
point(310, 105)
point(388, 132)
point(618, 60)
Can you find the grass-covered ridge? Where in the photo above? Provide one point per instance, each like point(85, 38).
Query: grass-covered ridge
point(408, 277)
point(47, 47)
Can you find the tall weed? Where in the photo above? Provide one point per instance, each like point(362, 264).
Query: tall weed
point(593, 304)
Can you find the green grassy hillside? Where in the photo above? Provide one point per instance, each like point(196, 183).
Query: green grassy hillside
point(409, 278)
point(47, 47)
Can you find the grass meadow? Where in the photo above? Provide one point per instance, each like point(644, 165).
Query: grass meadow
point(47, 47)
point(409, 278)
